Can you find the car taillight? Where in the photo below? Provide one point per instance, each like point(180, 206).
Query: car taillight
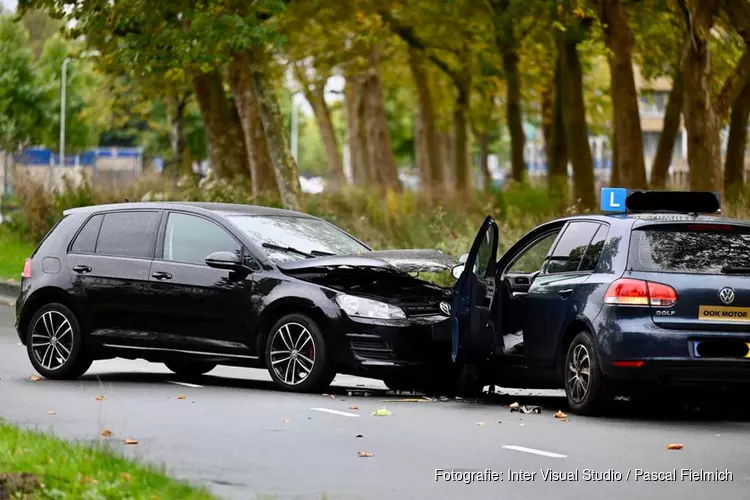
point(26, 269)
point(627, 291)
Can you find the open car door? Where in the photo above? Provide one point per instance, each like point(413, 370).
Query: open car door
point(473, 297)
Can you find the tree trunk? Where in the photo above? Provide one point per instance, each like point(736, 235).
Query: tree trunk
point(557, 154)
point(428, 155)
point(461, 138)
point(615, 178)
point(380, 151)
point(626, 117)
point(448, 155)
point(734, 167)
point(576, 129)
point(514, 113)
point(548, 118)
point(176, 105)
point(670, 129)
point(703, 126)
point(483, 139)
point(243, 89)
point(354, 129)
point(285, 168)
point(226, 143)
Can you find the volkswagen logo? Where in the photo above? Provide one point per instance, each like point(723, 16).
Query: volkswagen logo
point(446, 308)
point(726, 295)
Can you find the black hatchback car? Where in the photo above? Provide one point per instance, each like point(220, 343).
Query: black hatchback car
point(198, 285)
point(658, 296)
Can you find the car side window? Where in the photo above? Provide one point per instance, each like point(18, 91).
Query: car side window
point(128, 234)
point(190, 239)
point(594, 251)
point(532, 257)
point(85, 242)
point(570, 249)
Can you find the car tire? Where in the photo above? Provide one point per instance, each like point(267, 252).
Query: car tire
point(586, 388)
point(190, 368)
point(54, 343)
point(297, 355)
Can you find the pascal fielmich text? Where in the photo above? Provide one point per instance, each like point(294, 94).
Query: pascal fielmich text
point(586, 475)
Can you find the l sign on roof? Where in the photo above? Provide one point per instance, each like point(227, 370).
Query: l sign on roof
point(613, 199)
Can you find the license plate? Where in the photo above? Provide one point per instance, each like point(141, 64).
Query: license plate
point(723, 313)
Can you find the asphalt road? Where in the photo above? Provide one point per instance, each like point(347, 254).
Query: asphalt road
point(236, 435)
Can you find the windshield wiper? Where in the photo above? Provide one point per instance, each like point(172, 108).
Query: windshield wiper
point(312, 254)
point(735, 270)
point(288, 249)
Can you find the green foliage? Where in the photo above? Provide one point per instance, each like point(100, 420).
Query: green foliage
point(13, 251)
point(22, 101)
point(69, 471)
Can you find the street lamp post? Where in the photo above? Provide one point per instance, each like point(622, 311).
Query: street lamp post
point(62, 109)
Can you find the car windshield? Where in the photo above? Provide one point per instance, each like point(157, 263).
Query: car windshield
point(285, 238)
point(686, 251)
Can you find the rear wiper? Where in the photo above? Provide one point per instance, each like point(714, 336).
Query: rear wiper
point(288, 249)
point(735, 270)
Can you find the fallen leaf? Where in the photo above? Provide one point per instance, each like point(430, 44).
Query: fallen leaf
point(106, 432)
point(126, 476)
point(358, 436)
point(131, 441)
point(407, 400)
point(35, 378)
point(354, 407)
point(514, 406)
point(363, 454)
point(480, 424)
point(51, 412)
point(180, 397)
point(88, 480)
point(99, 398)
point(332, 396)
point(674, 446)
point(499, 421)
point(382, 413)
point(562, 416)
point(286, 420)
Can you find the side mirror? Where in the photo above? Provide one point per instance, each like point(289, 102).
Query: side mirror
point(224, 260)
point(463, 258)
point(458, 270)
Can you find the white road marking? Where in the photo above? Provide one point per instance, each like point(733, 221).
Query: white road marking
point(336, 412)
point(535, 452)
point(184, 384)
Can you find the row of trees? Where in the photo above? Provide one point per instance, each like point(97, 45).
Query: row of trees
point(472, 64)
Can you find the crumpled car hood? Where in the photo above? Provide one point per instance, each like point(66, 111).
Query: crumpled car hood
point(408, 261)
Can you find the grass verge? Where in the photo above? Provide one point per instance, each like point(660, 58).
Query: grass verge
point(39, 466)
point(13, 251)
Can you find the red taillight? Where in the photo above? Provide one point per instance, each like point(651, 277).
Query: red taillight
point(633, 292)
point(628, 364)
point(26, 269)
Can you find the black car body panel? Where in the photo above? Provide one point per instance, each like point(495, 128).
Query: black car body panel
point(134, 300)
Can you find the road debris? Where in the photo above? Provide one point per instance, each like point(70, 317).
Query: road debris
point(286, 420)
point(561, 416)
point(499, 421)
point(51, 412)
point(364, 454)
point(359, 436)
point(359, 392)
point(443, 398)
point(382, 413)
point(131, 441)
point(180, 397)
point(106, 432)
point(480, 424)
point(408, 400)
point(332, 396)
point(673, 446)
point(354, 407)
point(35, 378)
point(99, 398)
point(526, 409)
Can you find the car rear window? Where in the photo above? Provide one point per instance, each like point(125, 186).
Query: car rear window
point(682, 249)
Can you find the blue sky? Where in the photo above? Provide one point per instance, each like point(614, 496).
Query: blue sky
point(9, 4)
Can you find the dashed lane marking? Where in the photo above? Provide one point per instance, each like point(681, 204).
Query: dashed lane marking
point(336, 412)
point(184, 384)
point(535, 452)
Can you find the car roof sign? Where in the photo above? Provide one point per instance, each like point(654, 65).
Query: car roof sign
point(620, 200)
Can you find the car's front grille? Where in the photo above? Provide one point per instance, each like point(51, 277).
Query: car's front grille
point(372, 350)
point(421, 308)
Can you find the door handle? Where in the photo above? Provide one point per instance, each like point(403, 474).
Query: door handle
point(566, 293)
point(160, 275)
point(517, 295)
point(82, 269)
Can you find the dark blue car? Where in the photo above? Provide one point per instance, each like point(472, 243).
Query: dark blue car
point(658, 294)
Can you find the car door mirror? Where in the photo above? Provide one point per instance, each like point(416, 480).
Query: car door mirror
point(463, 258)
point(224, 260)
point(458, 270)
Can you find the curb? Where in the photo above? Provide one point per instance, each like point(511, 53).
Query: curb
point(9, 291)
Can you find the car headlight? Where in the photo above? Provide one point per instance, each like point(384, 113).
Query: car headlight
point(366, 308)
